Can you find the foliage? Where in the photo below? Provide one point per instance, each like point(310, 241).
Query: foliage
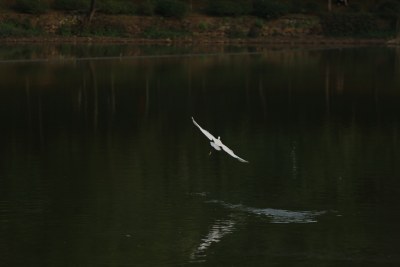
point(15, 29)
point(236, 32)
point(157, 33)
point(203, 26)
point(311, 8)
point(355, 7)
point(345, 21)
point(71, 5)
point(105, 28)
point(171, 8)
point(228, 8)
point(306, 7)
point(270, 9)
point(96, 28)
point(31, 6)
point(66, 30)
point(116, 7)
point(389, 9)
point(346, 24)
point(9, 30)
point(146, 8)
point(255, 29)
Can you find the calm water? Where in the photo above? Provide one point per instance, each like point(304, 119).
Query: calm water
point(102, 166)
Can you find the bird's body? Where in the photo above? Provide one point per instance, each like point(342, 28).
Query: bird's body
point(217, 144)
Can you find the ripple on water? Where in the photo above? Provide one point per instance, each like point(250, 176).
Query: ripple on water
point(275, 215)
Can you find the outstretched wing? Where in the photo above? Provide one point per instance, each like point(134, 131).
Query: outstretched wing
point(206, 133)
point(230, 152)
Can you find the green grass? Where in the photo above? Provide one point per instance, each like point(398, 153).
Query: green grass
point(13, 29)
point(157, 33)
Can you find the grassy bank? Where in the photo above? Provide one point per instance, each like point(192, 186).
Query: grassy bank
point(251, 21)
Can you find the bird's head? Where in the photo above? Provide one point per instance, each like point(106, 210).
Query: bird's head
point(219, 138)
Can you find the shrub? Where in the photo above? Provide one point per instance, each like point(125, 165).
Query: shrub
point(105, 28)
point(203, 26)
point(171, 8)
point(66, 30)
point(388, 10)
point(31, 6)
point(236, 32)
point(146, 8)
point(8, 30)
point(15, 29)
point(116, 7)
point(255, 30)
point(355, 7)
point(71, 5)
point(228, 8)
point(347, 24)
point(311, 8)
point(156, 33)
point(269, 9)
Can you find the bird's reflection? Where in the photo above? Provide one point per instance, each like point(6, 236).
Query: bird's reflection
point(218, 230)
point(222, 227)
point(293, 156)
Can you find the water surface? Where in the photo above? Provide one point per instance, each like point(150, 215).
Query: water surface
point(102, 166)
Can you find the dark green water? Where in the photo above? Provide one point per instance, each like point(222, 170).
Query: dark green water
point(102, 166)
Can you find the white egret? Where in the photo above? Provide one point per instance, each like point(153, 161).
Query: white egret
point(217, 144)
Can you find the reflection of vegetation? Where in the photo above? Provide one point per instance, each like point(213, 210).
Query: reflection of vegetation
point(67, 51)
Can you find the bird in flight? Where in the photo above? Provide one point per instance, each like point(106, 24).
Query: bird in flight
point(217, 144)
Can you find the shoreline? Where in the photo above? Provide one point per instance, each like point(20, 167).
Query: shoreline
point(314, 40)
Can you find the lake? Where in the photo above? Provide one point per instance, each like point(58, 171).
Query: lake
point(101, 164)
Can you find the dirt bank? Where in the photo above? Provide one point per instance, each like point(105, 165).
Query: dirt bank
point(57, 27)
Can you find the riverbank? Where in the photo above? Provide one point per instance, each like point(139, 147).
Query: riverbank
point(59, 27)
point(312, 40)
